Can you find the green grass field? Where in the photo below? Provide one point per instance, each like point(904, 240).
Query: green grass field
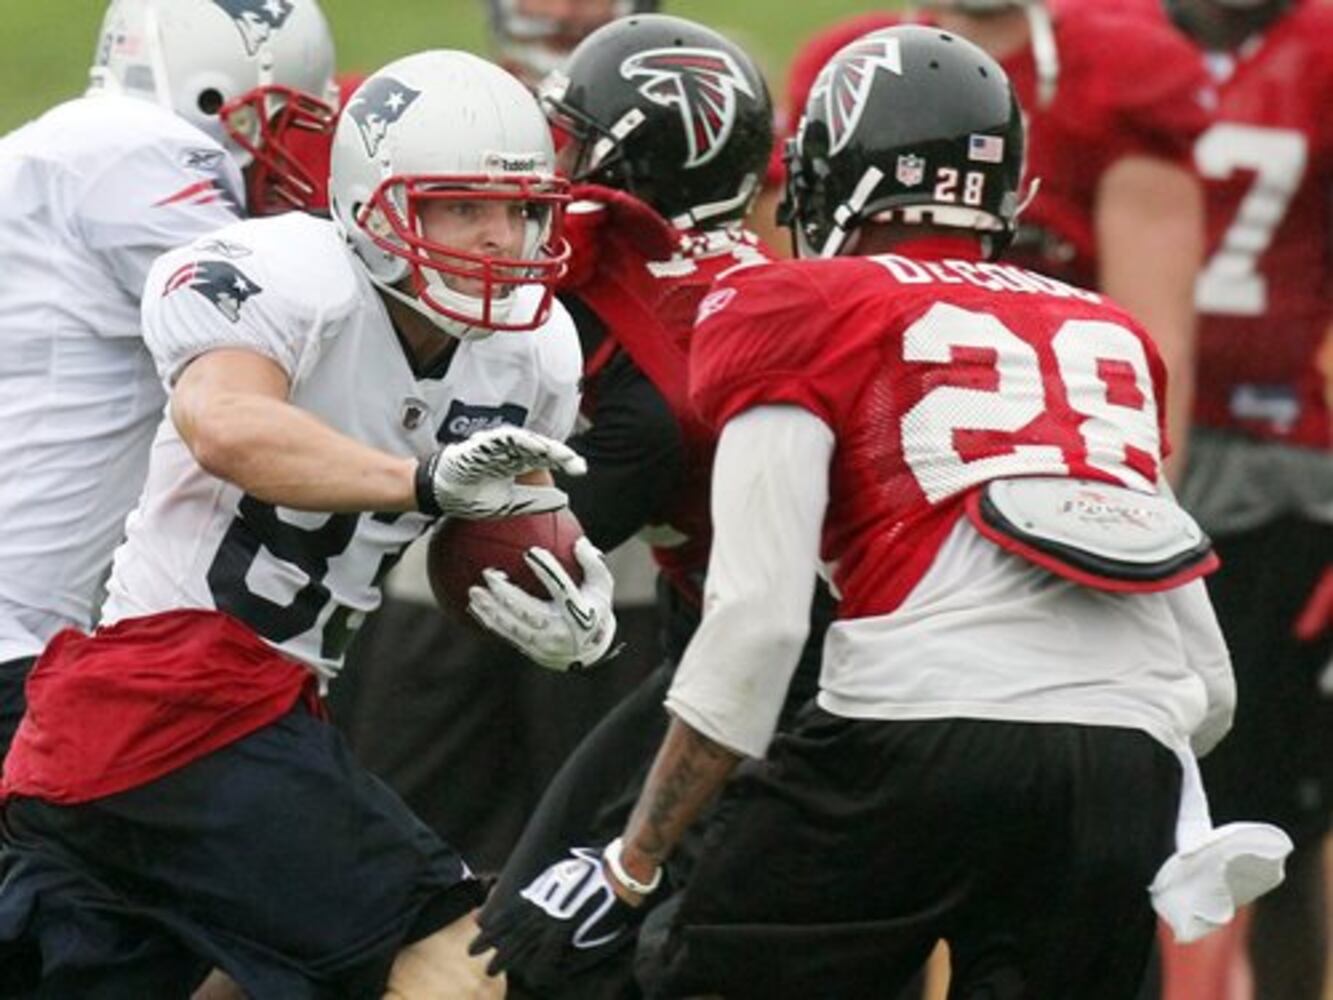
point(47, 46)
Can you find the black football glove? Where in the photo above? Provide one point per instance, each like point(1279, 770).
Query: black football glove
point(567, 920)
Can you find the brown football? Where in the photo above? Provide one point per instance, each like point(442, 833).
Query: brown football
point(460, 549)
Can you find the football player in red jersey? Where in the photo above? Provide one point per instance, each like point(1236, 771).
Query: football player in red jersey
point(974, 452)
point(1112, 108)
point(1260, 471)
point(661, 192)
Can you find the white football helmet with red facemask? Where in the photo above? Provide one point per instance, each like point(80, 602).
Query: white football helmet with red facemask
point(446, 126)
point(246, 72)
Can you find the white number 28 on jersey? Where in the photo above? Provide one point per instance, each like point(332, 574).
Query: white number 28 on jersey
point(1112, 421)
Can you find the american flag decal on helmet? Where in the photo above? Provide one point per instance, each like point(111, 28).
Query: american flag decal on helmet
point(702, 84)
point(844, 84)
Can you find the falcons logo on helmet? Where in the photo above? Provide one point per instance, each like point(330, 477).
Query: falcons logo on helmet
point(221, 283)
point(256, 20)
point(844, 85)
point(702, 84)
point(376, 105)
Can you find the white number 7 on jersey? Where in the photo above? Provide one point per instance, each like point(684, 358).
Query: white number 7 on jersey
point(1231, 284)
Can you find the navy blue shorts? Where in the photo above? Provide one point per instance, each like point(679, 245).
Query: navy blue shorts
point(278, 859)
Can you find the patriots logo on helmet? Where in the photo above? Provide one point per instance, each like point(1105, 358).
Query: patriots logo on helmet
point(221, 283)
point(379, 103)
point(702, 84)
point(844, 85)
point(256, 20)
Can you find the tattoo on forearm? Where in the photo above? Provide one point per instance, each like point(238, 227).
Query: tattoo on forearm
point(687, 775)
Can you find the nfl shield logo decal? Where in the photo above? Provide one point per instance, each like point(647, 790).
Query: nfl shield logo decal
point(911, 170)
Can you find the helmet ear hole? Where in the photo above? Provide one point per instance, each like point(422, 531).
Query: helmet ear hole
point(210, 101)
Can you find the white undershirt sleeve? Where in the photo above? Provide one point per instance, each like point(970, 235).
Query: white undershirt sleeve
point(770, 491)
point(1207, 655)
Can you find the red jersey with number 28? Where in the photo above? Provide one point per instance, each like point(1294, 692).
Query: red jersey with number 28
point(938, 373)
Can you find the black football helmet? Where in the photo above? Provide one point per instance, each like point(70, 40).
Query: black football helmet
point(1224, 24)
point(668, 110)
point(909, 125)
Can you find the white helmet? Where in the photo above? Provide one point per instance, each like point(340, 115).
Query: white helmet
point(243, 71)
point(531, 44)
point(449, 126)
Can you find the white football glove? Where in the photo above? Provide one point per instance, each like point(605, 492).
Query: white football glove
point(475, 478)
point(574, 629)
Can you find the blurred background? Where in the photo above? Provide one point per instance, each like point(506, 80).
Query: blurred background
point(45, 48)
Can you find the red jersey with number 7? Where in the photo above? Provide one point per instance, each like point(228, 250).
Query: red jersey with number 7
point(1265, 295)
point(938, 372)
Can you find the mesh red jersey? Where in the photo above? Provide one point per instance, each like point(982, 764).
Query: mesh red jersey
point(937, 374)
point(1125, 86)
point(1265, 294)
point(644, 280)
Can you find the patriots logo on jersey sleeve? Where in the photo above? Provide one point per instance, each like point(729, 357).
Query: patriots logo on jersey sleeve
point(844, 85)
point(256, 20)
point(221, 283)
point(702, 84)
point(379, 103)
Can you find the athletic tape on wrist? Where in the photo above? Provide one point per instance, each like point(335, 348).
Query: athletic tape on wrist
point(424, 484)
point(612, 856)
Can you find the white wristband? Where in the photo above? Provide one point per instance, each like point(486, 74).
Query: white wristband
point(612, 857)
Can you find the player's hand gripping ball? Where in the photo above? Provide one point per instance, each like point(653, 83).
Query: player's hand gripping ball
point(461, 549)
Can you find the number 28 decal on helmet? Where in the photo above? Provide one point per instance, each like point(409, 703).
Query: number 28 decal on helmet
point(908, 125)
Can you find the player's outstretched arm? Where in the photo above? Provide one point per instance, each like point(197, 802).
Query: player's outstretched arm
point(689, 771)
point(230, 407)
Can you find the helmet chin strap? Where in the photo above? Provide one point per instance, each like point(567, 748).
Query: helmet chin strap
point(446, 324)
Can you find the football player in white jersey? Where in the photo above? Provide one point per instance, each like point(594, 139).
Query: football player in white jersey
point(314, 368)
point(183, 124)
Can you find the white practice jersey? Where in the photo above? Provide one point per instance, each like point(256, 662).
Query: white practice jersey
point(90, 194)
point(290, 289)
